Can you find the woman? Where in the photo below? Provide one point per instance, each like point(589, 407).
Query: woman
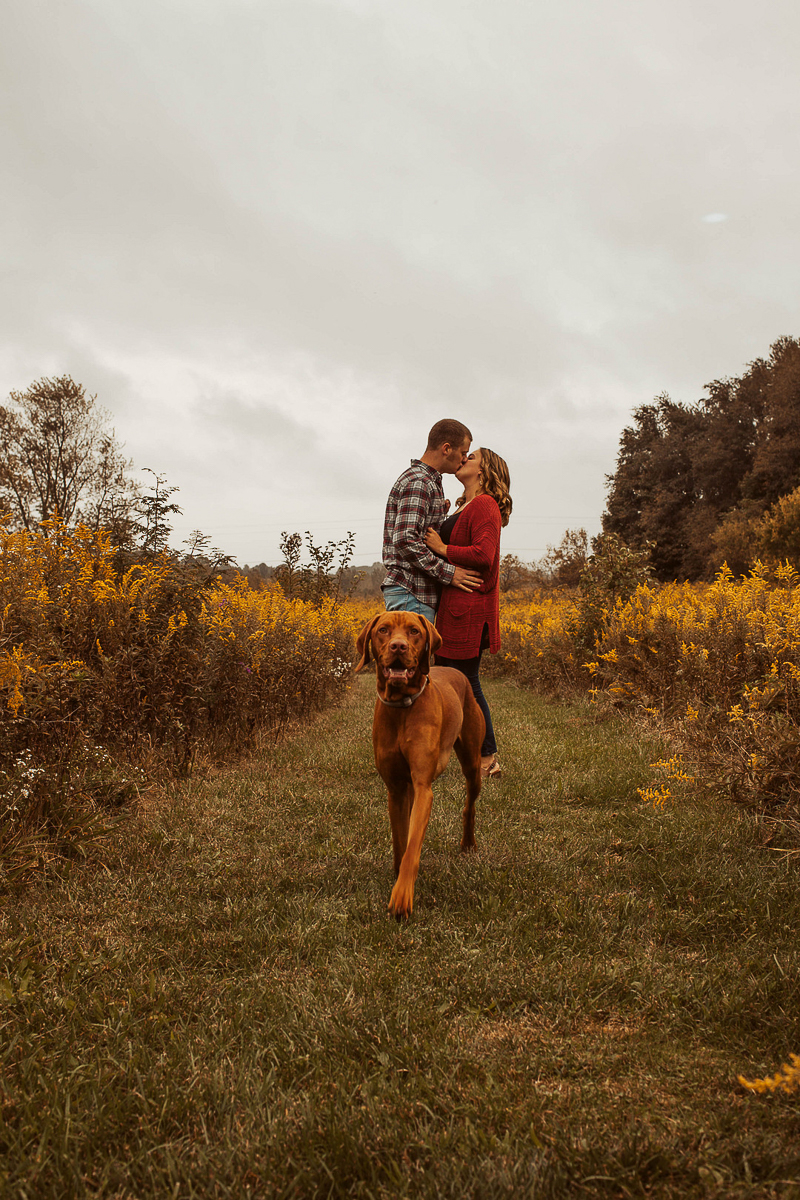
point(469, 622)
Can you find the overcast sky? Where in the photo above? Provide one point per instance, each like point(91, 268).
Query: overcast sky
point(278, 239)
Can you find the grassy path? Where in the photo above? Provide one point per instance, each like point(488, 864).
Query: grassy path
point(222, 1007)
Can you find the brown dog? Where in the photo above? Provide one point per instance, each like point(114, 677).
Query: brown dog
point(422, 713)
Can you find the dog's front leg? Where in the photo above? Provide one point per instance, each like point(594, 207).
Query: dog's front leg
point(400, 800)
point(401, 902)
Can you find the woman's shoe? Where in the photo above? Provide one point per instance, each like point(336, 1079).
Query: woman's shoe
point(491, 770)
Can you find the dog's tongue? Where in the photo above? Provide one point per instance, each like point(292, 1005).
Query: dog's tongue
point(396, 674)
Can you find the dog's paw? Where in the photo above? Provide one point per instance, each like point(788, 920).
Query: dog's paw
point(401, 902)
point(468, 847)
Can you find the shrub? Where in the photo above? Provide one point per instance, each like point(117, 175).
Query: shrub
point(779, 531)
point(611, 575)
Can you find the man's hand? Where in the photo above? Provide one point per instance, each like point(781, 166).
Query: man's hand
point(466, 581)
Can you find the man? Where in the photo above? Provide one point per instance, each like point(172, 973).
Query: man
point(414, 574)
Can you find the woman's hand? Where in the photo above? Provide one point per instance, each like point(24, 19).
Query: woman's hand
point(435, 543)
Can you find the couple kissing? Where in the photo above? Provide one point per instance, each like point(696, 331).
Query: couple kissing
point(446, 567)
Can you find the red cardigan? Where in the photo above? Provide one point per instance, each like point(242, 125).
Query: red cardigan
point(475, 544)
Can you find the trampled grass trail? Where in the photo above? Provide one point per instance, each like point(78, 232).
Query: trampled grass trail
point(220, 1006)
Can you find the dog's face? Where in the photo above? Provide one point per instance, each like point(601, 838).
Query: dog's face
point(402, 644)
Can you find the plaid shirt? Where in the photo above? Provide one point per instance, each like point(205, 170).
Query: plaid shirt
point(415, 502)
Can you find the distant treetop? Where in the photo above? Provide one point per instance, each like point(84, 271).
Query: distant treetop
point(58, 456)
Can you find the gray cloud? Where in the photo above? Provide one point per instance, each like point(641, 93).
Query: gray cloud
point(280, 239)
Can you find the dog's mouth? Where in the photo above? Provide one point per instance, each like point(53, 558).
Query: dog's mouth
point(397, 673)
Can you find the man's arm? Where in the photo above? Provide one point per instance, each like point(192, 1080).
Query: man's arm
point(410, 525)
point(466, 581)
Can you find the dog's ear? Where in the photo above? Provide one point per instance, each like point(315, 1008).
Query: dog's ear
point(363, 642)
point(433, 641)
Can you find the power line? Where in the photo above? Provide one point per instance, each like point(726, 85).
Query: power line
point(375, 521)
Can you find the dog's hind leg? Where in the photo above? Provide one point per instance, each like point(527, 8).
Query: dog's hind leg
point(468, 751)
point(472, 774)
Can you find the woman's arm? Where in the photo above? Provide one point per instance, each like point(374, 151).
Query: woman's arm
point(484, 536)
point(435, 543)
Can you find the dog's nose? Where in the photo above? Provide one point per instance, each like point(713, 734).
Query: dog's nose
point(398, 643)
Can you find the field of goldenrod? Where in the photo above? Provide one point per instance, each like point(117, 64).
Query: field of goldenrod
point(105, 662)
point(719, 662)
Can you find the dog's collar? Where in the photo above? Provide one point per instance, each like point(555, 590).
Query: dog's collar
point(406, 701)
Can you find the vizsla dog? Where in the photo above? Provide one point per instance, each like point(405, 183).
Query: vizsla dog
point(422, 713)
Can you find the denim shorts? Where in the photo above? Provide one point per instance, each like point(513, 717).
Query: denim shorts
point(399, 599)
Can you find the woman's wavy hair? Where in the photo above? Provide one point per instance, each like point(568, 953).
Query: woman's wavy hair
point(496, 482)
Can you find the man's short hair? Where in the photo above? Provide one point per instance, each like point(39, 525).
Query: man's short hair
point(448, 431)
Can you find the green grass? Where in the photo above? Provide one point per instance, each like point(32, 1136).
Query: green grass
point(220, 1006)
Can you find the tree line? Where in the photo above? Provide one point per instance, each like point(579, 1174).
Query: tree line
point(695, 485)
point(715, 481)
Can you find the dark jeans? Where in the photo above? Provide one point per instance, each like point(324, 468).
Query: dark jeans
point(471, 668)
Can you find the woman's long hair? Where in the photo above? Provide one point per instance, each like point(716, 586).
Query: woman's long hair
point(496, 482)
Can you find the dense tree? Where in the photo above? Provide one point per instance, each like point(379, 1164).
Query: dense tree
point(654, 487)
point(775, 469)
point(57, 456)
point(696, 480)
